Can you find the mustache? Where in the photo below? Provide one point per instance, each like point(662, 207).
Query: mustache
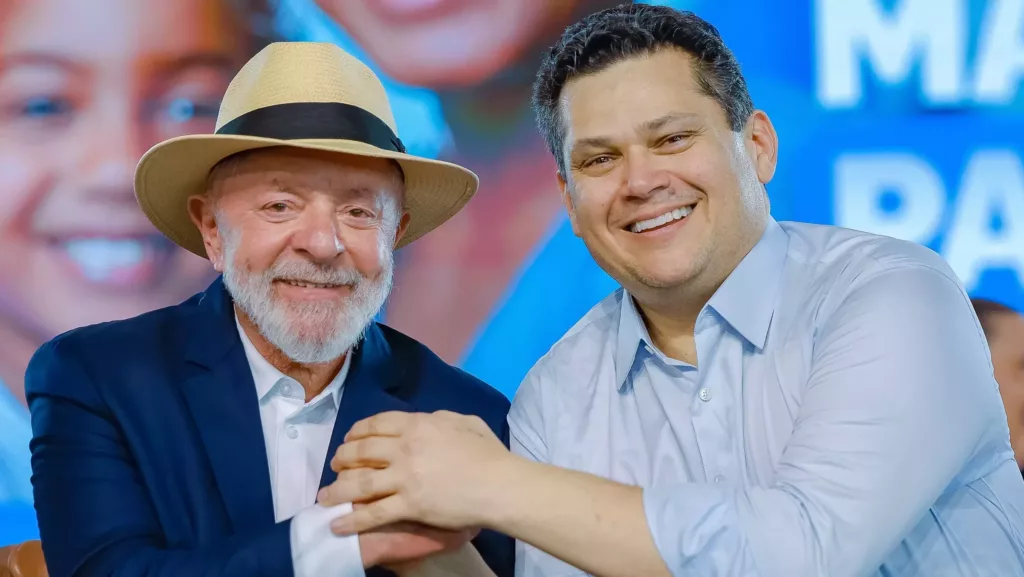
point(305, 271)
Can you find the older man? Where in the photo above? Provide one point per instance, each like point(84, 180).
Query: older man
point(762, 398)
point(192, 440)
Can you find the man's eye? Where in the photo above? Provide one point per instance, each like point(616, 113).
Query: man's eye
point(277, 207)
point(676, 138)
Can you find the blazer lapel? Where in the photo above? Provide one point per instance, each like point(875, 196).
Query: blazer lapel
point(370, 388)
point(221, 394)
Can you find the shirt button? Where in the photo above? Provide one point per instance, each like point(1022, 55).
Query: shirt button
point(705, 394)
point(719, 478)
point(287, 390)
point(292, 432)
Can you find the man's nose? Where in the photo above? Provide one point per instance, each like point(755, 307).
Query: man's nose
point(319, 235)
point(644, 175)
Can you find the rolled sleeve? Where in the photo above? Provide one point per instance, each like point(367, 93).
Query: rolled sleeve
point(899, 398)
point(317, 552)
point(697, 531)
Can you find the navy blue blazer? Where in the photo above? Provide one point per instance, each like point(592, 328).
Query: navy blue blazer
point(148, 455)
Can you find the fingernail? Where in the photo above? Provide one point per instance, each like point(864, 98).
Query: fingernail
point(339, 526)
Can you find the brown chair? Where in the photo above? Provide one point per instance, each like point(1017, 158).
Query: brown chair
point(23, 560)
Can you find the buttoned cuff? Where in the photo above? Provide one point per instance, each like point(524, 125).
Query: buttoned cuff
point(317, 552)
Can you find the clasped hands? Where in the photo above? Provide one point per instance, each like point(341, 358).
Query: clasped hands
point(420, 483)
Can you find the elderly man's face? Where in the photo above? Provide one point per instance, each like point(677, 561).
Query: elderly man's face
point(305, 242)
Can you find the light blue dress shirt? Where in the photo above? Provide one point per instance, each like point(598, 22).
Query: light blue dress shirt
point(843, 419)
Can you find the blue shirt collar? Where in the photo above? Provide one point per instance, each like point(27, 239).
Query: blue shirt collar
point(745, 301)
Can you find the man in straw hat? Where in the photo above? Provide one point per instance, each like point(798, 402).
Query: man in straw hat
point(192, 440)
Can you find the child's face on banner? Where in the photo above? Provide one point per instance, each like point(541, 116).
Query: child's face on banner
point(451, 43)
point(85, 89)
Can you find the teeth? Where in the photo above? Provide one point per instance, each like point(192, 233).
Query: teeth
point(100, 259)
point(660, 220)
point(305, 284)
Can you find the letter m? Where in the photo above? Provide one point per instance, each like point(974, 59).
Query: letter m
point(850, 33)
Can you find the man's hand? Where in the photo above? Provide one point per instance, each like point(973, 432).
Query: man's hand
point(441, 469)
point(402, 546)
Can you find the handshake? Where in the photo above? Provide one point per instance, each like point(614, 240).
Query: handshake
point(422, 485)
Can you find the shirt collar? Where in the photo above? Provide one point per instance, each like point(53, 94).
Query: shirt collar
point(266, 376)
point(746, 301)
point(632, 334)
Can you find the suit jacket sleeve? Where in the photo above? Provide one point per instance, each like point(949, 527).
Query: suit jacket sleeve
point(94, 514)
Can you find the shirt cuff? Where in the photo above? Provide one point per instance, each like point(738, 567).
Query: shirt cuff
point(317, 552)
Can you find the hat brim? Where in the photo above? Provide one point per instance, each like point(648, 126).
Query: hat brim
point(176, 169)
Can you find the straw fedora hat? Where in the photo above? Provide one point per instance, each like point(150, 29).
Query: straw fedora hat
point(308, 95)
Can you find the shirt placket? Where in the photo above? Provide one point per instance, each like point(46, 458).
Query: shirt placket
point(712, 403)
point(291, 454)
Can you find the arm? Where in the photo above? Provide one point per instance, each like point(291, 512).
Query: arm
point(896, 403)
point(496, 549)
point(94, 514)
point(899, 397)
point(466, 562)
point(527, 426)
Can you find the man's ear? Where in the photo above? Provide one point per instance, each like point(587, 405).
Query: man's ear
point(763, 142)
point(200, 210)
point(564, 187)
point(403, 225)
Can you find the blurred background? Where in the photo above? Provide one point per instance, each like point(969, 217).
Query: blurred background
point(901, 117)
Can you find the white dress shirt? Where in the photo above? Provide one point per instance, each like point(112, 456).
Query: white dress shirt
point(842, 419)
point(297, 435)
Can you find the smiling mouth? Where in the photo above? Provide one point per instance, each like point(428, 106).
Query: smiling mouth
point(299, 283)
point(660, 221)
point(307, 284)
point(126, 262)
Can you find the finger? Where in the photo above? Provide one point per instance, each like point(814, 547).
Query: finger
point(389, 424)
point(378, 514)
point(466, 422)
point(378, 452)
point(359, 486)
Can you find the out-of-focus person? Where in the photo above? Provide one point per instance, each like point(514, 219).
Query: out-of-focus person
point(480, 57)
point(85, 89)
point(1004, 328)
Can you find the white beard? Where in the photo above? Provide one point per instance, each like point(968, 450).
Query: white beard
point(308, 332)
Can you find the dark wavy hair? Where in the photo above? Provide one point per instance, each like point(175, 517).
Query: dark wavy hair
point(628, 30)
